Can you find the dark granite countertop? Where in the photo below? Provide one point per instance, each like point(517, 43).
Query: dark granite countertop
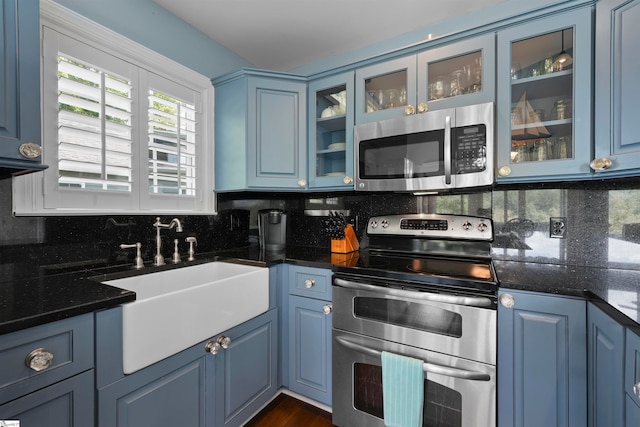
point(33, 301)
point(615, 291)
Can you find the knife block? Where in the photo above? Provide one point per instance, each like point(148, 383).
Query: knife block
point(346, 245)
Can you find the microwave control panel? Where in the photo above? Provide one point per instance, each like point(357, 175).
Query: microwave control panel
point(470, 149)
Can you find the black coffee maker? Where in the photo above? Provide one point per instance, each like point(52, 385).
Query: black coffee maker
point(272, 229)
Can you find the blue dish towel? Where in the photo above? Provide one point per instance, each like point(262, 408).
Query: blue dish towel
point(402, 390)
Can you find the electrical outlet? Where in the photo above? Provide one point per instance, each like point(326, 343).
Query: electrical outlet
point(558, 227)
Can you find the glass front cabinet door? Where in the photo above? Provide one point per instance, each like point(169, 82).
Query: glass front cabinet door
point(331, 132)
point(544, 99)
point(445, 76)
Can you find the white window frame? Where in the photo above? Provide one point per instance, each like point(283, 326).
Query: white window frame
point(39, 194)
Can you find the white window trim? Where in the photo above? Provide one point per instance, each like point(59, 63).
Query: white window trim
point(28, 190)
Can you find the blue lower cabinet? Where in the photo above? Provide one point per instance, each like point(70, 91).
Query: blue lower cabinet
point(310, 348)
point(68, 403)
point(605, 352)
point(194, 388)
point(176, 391)
point(632, 378)
point(246, 371)
point(542, 362)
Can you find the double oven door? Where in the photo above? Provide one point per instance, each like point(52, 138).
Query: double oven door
point(455, 337)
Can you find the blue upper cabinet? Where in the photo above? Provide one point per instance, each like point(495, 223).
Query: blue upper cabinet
point(617, 128)
point(544, 98)
point(331, 132)
point(20, 89)
point(450, 75)
point(261, 132)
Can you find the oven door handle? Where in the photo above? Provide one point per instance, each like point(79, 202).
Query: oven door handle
point(428, 367)
point(426, 296)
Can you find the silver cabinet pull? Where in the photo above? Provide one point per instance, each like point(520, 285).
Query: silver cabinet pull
point(29, 150)
point(425, 296)
point(504, 171)
point(507, 300)
point(636, 390)
point(309, 283)
point(327, 309)
point(224, 342)
point(212, 347)
point(39, 359)
point(600, 164)
point(447, 150)
point(428, 367)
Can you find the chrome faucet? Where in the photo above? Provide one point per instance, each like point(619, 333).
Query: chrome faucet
point(158, 259)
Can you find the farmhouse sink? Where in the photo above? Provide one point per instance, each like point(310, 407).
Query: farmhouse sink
point(176, 309)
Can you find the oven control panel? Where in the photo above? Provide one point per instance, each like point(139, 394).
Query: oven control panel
point(432, 225)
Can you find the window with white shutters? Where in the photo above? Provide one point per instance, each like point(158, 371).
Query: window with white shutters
point(94, 127)
point(125, 130)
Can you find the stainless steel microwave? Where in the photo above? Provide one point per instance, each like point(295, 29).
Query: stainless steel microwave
point(437, 150)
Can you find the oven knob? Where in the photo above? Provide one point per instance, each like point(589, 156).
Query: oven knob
point(466, 226)
point(384, 223)
point(507, 300)
point(482, 227)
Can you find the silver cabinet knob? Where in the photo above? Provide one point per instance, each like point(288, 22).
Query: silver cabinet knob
point(347, 180)
point(422, 107)
point(504, 171)
point(39, 359)
point(309, 283)
point(212, 347)
point(601, 164)
point(29, 150)
point(636, 389)
point(327, 308)
point(302, 182)
point(507, 300)
point(224, 342)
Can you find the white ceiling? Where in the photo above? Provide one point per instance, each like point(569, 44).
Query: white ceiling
point(282, 35)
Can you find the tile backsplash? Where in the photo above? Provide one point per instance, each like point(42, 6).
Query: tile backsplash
point(601, 218)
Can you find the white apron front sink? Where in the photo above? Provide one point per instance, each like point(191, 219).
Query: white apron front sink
point(176, 309)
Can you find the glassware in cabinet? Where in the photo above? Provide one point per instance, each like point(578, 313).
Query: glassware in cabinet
point(331, 135)
point(544, 99)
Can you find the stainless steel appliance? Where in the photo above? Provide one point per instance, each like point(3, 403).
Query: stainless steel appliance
point(272, 229)
point(425, 287)
point(437, 150)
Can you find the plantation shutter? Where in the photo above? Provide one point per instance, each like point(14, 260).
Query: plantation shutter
point(94, 127)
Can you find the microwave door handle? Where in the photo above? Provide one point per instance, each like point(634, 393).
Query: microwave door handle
point(427, 367)
point(447, 150)
point(425, 296)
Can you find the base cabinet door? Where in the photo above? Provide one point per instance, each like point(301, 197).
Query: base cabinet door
point(173, 392)
point(310, 348)
point(605, 354)
point(68, 403)
point(542, 367)
point(246, 371)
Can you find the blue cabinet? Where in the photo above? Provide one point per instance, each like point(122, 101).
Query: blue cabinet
point(20, 89)
point(617, 128)
point(46, 373)
point(541, 360)
point(544, 98)
point(260, 128)
point(246, 371)
point(309, 370)
point(331, 119)
point(194, 388)
point(449, 75)
point(632, 379)
point(605, 338)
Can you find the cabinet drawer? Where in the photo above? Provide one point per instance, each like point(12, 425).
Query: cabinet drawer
point(69, 341)
point(310, 282)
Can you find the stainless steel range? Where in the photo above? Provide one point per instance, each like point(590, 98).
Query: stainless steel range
point(425, 288)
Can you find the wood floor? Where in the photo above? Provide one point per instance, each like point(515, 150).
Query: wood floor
point(287, 411)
